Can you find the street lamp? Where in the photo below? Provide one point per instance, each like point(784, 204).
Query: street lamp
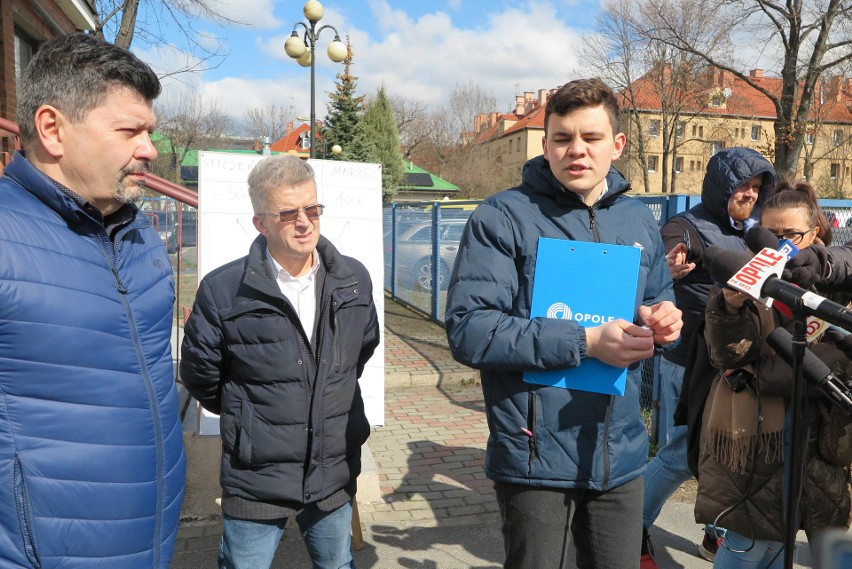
point(302, 50)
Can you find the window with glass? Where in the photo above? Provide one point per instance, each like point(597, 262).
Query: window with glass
point(25, 49)
point(835, 170)
point(678, 164)
point(755, 132)
point(716, 146)
point(654, 127)
point(679, 128)
point(838, 137)
point(652, 163)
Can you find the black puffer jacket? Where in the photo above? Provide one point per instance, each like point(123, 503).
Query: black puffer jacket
point(709, 223)
point(734, 340)
point(292, 417)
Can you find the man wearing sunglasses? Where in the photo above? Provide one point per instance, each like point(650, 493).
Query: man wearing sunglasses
point(275, 345)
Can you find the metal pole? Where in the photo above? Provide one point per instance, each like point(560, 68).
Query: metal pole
point(313, 39)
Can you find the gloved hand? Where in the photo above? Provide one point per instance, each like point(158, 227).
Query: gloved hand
point(809, 267)
point(835, 355)
point(845, 346)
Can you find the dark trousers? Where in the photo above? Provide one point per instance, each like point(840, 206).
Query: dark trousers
point(539, 524)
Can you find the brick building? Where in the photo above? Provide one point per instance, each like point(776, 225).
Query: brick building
point(728, 112)
point(24, 25)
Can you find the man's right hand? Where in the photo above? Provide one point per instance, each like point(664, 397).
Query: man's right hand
point(676, 260)
point(619, 343)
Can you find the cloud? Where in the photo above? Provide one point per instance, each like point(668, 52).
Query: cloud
point(507, 52)
point(256, 13)
point(418, 57)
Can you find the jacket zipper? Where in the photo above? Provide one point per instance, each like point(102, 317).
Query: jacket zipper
point(111, 253)
point(317, 363)
point(594, 228)
point(530, 430)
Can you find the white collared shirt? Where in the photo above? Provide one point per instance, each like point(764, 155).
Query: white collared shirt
point(300, 291)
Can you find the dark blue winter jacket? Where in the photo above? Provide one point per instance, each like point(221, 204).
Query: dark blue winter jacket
point(580, 439)
point(292, 417)
point(91, 452)
point(709, 223)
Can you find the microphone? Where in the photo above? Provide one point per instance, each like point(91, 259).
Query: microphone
point(759, 238)
point(813, 369)
point(758, 277)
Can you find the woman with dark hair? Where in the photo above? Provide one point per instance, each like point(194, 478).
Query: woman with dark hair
point(744, 426)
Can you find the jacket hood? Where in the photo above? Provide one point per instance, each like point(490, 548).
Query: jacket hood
point(537, 175)
point(729, 169)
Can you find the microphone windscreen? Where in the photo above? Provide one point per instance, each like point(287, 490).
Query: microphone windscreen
point(813, 368)
point(759, 238)
point(723, 263)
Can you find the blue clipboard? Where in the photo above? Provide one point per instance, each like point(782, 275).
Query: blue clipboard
point(590, 283)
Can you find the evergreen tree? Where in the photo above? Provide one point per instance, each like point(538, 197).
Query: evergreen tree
point(343, 123)
point(383, 143)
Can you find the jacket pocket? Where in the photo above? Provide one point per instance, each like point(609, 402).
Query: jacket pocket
point(22, 508)
point(350, 314)
point(244, 432)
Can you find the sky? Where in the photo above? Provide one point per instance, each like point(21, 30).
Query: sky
point(417, 49)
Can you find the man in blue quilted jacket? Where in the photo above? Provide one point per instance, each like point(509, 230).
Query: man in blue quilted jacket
point(91, 452)
point(567, 464)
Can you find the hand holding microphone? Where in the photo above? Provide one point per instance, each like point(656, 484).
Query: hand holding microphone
point(758, 277)
point(808, 267)
point(813, 369)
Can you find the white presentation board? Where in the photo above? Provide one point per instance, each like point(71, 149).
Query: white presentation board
point(352, 220)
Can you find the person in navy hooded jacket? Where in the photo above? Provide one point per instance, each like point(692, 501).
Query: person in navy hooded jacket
point(91, 449)
point(566, 463)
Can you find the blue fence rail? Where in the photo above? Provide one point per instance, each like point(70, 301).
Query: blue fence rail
point(421, 241)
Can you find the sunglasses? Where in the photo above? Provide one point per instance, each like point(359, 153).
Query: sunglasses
point(285, 215)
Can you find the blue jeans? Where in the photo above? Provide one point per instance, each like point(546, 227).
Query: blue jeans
point(248, 544)
point(668, 470)
point(761, 554)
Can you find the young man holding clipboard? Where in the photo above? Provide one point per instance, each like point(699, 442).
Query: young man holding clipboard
point(563, 460)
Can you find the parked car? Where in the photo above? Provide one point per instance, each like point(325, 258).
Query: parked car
point(414, 253)
point(188, 231)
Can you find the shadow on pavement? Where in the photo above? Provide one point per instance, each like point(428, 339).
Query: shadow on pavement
point(449, 481)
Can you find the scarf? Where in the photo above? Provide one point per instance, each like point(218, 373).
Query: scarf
point(732, 432)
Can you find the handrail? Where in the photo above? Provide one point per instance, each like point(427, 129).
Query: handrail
point(9, 126)
point(151, 181)
point(170, 189)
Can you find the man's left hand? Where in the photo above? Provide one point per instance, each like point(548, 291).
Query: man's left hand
point(664, 319)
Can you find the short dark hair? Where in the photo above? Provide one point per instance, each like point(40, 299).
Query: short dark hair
point(75, 73)
point(580, 94)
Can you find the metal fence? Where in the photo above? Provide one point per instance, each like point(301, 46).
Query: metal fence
point(421, 241)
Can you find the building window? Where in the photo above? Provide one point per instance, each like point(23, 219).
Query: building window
point(678, 164)
point(755, 132)
point(652, 163)
point(694, 130)
point(716, 101)
point(716, 147)
point(679, 128)
point(701, 132)
point(654, 127)
point(25, 48)
point(809, 139)
point(835, 170)
point(838, 137)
